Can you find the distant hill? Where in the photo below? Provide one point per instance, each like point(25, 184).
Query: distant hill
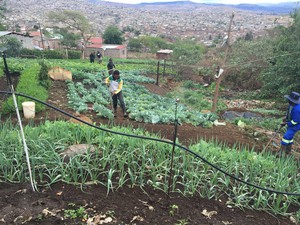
point(280, 8)
point(172, 3)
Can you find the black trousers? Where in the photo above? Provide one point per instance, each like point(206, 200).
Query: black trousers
point(121, 99)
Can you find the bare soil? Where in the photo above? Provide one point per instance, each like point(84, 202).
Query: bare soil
point(129, 205)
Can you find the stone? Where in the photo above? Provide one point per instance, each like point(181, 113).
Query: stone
point(79, 149)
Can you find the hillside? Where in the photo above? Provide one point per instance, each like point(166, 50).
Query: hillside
point(280, 8)
point(182, 19)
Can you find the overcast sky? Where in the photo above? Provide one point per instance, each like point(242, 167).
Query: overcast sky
point(205, 1)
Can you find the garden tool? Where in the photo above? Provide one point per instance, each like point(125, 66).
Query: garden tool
point(275, 134)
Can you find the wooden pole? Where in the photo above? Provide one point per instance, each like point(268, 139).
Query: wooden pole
point(157, 73)
point(164, 71)
point(41, 33)
point(219, 78)
point(173, 148)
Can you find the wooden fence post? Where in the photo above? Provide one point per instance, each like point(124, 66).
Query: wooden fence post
point(219, 75)
point(157, 73)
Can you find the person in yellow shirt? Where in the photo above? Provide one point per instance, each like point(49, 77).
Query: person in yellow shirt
point(115, 84)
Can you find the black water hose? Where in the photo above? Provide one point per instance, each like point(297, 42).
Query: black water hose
point(158, 140)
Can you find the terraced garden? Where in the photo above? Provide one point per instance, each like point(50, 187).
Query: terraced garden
point(219, 175)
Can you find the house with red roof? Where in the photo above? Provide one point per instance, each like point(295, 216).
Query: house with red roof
point(114, 51)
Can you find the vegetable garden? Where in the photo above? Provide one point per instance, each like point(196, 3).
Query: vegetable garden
point(122, 157)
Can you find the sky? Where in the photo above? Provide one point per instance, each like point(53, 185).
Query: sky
point(205, 1)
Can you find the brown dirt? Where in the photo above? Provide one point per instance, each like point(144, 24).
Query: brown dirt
point(18, 203)
point(128, 205)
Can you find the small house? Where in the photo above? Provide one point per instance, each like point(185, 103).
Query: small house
point(25, 39)
point(94, 44)
point(114, 51)
point(164, 54)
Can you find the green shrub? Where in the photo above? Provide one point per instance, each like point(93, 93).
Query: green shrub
point(49, 54)
point(189, 84)
point(74, 54)
point(53, 54)
point(29, 85)
point(196, 100)
point(43, 76)
point(30, 53)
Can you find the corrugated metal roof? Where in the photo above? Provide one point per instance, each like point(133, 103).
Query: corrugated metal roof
point(112, 46)
point(165, 51)
point(3, 33)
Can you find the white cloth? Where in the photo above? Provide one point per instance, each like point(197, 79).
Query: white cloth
point(113, 86)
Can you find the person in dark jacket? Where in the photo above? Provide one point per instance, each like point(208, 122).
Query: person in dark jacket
point(92, 57)
point(292, 121)
point(110, 66)
point(115, 84)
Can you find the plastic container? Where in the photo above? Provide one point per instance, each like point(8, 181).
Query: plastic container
point(28, 109)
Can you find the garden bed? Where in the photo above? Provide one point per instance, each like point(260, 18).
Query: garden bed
point(127, 205)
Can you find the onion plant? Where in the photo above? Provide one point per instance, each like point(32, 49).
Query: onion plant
point(121, 160)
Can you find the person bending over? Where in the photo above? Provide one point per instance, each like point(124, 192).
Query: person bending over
point(115, 84)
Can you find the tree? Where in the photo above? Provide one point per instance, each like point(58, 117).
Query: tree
point(187, 52)
point(131, 30)
point(112, 35)
point(148, 43)
point(135, 45)
point(249, 36)
point(69, 39)
point(73, 21)
point(2, 27)
point(246, 62)
point(2, 11)
point(12, 45)
point(153, 44)
point(282, 75)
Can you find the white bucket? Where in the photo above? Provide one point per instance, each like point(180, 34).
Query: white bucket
point(28, 109)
